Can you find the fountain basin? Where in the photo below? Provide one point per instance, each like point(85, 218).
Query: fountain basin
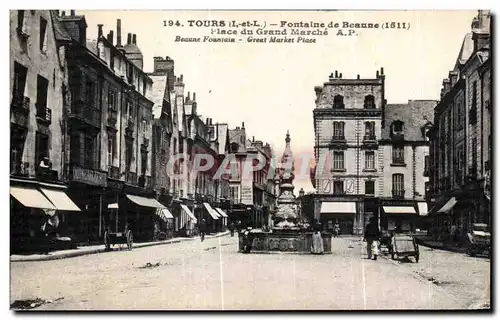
point(284, 241)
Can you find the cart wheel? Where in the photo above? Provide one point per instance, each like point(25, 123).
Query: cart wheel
point(130, 239)
point(107, 241)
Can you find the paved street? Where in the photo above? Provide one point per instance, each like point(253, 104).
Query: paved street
point(212, 275)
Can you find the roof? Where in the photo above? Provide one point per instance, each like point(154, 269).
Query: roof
point(466, 49)
point(415, 115)
point(157, 94)
point(238, 136)
point(60, 32)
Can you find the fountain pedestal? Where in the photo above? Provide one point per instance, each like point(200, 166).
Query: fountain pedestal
point(285, 236)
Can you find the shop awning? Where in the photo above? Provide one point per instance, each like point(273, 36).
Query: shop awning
point(31, 198)
point(211, 211)
point(222, 213)
point(60, 200)
point(338, 207)
point(189, 213)
point(145, 202)
point(400, 209)
point(422, 208)
point(164, 214)
point(113, 206)
point(448, 206)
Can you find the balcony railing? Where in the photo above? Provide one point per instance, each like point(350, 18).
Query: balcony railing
point(47, 174)
point(367, 138)
point(89, 176)
point(398, 160)
point(398, 194)
point(19, 168)
point(338, 138)
point(131, 178)
point(86, 113)
point(113, 172)
point(43, 114)
point(20, 103)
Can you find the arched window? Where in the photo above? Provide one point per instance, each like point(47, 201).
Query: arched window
point(369, 102)
point(338, 102)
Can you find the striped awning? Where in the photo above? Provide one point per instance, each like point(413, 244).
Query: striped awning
point(164, 214)
point(145, 202)
point(60, 200)
point(221, 212)
point(211, 211)
point(189, 213)
point(31, 198)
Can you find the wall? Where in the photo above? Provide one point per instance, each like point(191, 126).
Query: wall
point(27, 53)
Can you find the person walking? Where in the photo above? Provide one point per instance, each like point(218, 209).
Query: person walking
point(203, 228)
point(317, 241)
point(372, 235)
point(231, 228)
point(336, 229)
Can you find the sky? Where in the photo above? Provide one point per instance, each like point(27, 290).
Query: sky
point(270, 87)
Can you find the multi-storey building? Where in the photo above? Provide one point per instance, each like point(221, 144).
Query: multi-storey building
point(404, 165)
point(109, 131)
point(38, 85)
point(348, 120)
point(460, 138)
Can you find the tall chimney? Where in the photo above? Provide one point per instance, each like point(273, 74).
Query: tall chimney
point(182, 76)
point(129, 38)
point(118, 33)
point(336, 74)
point(382, 71)
point(194, 96)
point(340, 75)
point(63, 13)
point(99, 30)
point(243, 125)
point(110, 36)
point(357, 77)
point(72, 13)
point(377, 74)
point(188, 96)
point(134, 39)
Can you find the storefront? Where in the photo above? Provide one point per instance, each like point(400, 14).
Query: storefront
point(343, 213)
point(399, 217)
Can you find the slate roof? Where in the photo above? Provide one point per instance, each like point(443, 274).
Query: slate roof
point(59, 31)
point(466, 50)
point(157, 94)
point(238, 136)
point(415, 115)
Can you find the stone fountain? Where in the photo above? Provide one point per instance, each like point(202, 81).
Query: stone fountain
point(287, 233)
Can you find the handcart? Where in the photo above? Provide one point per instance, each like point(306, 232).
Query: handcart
point(479, 240)
point(404, 246)
point(121, 239)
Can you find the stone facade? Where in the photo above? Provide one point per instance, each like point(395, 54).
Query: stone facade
point(348, 121)
point(461, 137)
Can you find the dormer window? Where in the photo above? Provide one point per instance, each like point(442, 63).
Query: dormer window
point(338, 102)
point(397, 127)
point(234, 147)
point(369, 102)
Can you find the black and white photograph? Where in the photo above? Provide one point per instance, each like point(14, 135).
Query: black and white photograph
point(250, 160)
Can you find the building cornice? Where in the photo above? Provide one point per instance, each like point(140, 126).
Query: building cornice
point(347, 112)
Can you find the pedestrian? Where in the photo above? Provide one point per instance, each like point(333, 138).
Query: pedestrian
point(231, 228)
point(336, 229)
point(372, 236)
point(317, 240)
point(247, 240)
point(203, 228)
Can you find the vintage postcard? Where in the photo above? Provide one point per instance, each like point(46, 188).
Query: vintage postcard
point(250, 160)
